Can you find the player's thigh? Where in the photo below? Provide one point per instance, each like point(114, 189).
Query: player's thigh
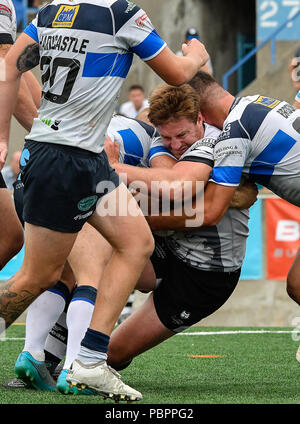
point(89, 256)
point(119, 219)
point(10, 226)
point(143, 329)
point(293, 277)
point(46, 252)
point(147, 280)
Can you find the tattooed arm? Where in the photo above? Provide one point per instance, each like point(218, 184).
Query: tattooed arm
point(20, 57)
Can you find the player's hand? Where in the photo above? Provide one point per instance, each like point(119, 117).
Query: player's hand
point(197, 49)
point(245, 196)
point(3, 154)
point(112, 150)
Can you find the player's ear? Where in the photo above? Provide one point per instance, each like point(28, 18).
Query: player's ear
point(200, 118)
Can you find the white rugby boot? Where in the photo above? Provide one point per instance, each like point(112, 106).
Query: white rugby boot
point(102, 379)
point(298, 355)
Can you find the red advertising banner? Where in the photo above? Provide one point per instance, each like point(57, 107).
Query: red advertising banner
point(283, 234)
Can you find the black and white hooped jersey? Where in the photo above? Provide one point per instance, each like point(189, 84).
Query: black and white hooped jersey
point(86, 51)
point(219, 248)
point(261, 140)
point(8, 22)
point(139, 142)
point(297, 98)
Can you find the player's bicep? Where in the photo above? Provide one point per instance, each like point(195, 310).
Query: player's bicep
point(163, 161)
point(193, 171)
point(22, 56)
point(217, 200)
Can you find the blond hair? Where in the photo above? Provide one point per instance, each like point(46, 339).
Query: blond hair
point(169, 103)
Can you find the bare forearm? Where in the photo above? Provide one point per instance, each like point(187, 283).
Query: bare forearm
point(25, 110)
point(34, 88)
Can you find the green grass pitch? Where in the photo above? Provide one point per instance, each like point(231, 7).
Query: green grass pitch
point(251, 369)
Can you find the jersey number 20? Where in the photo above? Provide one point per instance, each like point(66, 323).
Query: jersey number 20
point(50, 74)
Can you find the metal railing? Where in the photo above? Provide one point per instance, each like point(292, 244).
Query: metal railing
point(271, 38)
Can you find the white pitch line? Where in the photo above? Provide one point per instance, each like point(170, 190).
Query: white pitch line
point(4, 339)
point(214, 333)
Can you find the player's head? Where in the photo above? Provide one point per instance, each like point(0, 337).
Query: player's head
point(190, 34)
point(136, 96)
point(215, 101)
point(175, 112)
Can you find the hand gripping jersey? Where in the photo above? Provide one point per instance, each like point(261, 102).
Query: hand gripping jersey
point(261, 140)
point(219, 248)
point(139, 142)
point(8, 22)
point(86, 50)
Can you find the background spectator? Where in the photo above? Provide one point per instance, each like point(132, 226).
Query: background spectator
point(11, 171)
point(137, 102)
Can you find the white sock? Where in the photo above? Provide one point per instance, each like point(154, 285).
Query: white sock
point(79, 316)
point(41, 316)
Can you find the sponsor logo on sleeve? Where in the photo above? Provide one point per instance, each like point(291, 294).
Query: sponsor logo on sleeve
point(286, 110)
point(267, 101)
point(5, 11)
point(141, 20)
point(65, 16)
point(205, 142)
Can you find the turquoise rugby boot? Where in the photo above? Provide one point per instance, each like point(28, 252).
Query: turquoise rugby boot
point(63, 387)
point(34, 373)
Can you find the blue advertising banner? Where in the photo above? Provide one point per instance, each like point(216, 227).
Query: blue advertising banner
point(12, 266)
point(271, 14)
point(253, 264)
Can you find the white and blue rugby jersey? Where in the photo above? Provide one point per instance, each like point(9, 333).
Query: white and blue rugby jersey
point(8, 22)
point(219, 248)
point(139, 142)
point(260, 140)
point(297, 98)
point(86, 50)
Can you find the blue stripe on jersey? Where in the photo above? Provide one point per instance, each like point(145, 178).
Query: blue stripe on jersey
point(158, 149)
point(123, 11)
point(275, 151)
point(131, 160)
point(227, 174)
point(89, 18)
point(107, 64)
point(298, 96)
point(147, 48)
point(131, 143)
point(32, 32)
point(252, 118)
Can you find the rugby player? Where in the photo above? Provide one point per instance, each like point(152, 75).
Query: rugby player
point(140, 145)
point(85, 50)
point(28, 99)
point(199, 268)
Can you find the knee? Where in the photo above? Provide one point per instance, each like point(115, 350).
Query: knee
point(11, 248)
